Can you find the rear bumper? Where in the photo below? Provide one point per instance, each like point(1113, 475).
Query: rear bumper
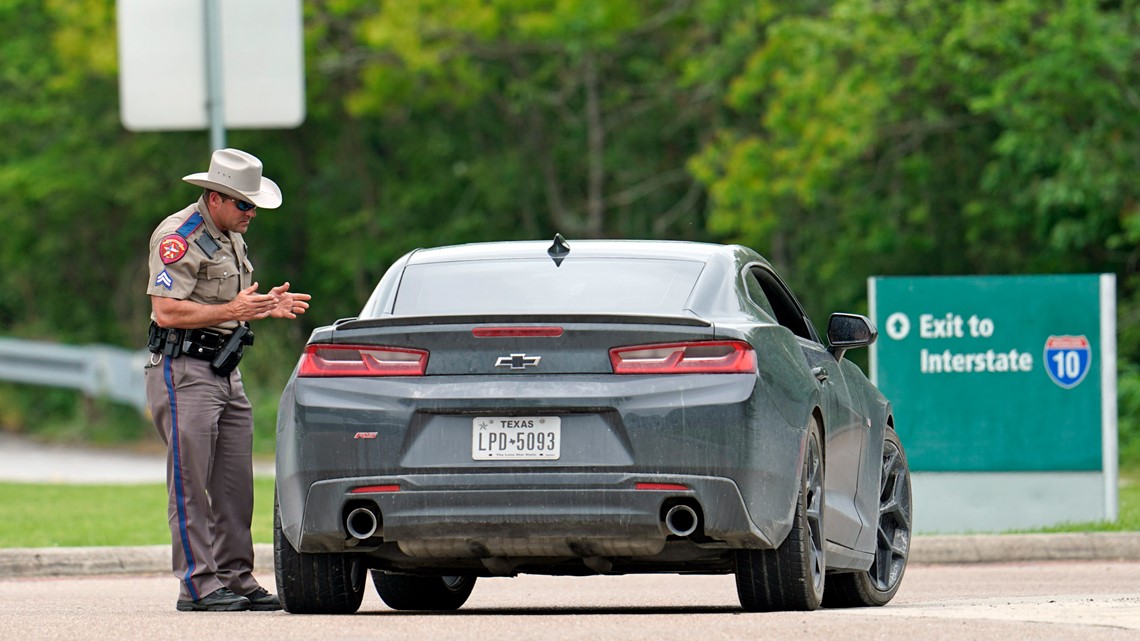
point(556, 514)
point(722, 437)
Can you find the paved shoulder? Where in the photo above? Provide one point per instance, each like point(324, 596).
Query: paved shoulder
point(27, 461)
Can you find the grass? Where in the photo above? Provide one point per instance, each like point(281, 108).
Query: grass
point(49, 515)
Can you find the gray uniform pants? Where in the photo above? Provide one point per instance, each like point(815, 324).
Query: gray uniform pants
point(207, 424)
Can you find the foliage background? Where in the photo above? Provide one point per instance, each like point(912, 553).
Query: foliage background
point(841, 139)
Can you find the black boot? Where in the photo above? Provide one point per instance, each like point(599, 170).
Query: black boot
point(262, 601)
point(220, 600)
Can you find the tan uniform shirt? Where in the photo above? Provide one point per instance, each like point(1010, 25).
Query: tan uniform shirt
point(191, 259)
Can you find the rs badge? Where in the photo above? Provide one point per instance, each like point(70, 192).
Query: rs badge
point(1067, 359)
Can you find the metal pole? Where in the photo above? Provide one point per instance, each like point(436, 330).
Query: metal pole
point(214, 94)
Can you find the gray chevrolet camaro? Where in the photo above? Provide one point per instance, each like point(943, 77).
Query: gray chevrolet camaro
point(592, 407)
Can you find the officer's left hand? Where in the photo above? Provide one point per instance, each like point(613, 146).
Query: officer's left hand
point(289, 304)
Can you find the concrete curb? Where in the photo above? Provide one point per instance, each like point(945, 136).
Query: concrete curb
point(1011, 548)
point(147, 559)
point(1008, 548)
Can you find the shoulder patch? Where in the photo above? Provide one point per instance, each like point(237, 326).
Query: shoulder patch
point(172, 248)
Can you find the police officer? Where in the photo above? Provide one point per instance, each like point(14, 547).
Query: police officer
point(202, 298)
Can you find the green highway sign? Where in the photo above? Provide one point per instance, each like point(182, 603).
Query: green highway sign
point(1013, 377)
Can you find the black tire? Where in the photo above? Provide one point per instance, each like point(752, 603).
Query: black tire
point(406, 592)
point(315, 583)
point(791, 577)
point(878, 585)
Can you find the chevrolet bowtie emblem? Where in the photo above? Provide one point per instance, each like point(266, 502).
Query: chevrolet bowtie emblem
point(517, 361)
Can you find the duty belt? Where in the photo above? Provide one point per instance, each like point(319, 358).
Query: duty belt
point(222, 350)
point(202, 344)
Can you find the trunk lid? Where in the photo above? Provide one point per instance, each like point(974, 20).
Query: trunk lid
point(517, 345)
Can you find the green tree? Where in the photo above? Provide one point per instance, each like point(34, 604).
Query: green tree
point(926, 137)
point(548, 115)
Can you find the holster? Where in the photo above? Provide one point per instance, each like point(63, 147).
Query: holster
point(229, 355)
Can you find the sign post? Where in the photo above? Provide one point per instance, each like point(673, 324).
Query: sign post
point(1004, 393)
point(215, 97)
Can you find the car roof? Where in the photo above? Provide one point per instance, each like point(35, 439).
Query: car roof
point(661, 249)
point(713, 294)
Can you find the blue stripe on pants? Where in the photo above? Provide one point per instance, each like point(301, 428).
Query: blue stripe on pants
point(180, 496)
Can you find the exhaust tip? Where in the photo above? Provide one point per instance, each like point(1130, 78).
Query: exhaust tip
point(361, 523)
point(681, 520)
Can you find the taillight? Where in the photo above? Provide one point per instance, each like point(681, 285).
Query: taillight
point(699, 357)
point(362, 360)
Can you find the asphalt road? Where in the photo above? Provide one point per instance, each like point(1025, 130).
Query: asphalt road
point(1087, 601)
point(1005, 588)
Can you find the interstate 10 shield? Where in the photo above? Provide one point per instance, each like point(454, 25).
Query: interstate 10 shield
point(1067, 359)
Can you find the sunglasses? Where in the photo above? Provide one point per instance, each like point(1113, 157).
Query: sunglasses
point(240, 204)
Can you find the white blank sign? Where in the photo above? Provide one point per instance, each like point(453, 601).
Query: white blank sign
point(162, 64)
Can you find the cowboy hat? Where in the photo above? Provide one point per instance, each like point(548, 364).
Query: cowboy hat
point(237, 174)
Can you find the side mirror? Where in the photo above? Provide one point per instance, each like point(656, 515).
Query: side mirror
point(846, 331)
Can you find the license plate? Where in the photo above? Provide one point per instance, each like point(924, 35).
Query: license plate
point(518, 438)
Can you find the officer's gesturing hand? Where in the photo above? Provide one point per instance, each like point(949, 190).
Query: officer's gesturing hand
point(289, 304)
point(184, 314)
point(249, 305)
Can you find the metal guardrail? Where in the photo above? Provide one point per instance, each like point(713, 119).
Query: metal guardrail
point(95, 370)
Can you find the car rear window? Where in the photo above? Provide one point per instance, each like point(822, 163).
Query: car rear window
point(619, 285)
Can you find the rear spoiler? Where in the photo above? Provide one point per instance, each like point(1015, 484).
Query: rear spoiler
point(502, 319)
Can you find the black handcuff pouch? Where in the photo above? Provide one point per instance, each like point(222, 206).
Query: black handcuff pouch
point(161, 340)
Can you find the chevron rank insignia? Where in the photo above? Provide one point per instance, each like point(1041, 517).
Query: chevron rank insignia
point(164, 279)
